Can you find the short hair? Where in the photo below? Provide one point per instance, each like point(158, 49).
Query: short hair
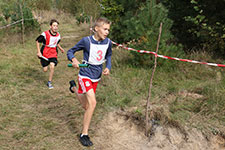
point(52, 21)
point(101, 20)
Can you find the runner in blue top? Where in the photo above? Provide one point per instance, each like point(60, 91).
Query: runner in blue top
point(96, 50)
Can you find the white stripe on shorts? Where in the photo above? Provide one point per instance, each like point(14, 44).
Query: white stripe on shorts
point(82, 85)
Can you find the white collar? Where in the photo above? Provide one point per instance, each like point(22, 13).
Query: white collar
point(95, 38)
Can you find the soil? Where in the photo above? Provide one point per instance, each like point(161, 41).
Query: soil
point(119, 132)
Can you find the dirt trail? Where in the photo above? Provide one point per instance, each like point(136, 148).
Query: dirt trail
point(116, 132)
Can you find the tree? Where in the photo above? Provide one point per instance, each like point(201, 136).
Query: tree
point(139, 26)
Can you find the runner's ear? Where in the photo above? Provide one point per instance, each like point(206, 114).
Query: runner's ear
point(96, 28)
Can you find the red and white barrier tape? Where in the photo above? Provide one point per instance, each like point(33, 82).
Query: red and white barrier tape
point(8, 25)
point(167, 57)
point(16, 22)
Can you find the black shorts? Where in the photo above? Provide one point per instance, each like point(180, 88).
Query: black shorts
point(45, 63)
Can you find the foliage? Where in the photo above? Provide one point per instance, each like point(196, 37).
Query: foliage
point(210, 32)
point(40, 4)
point(66, 6)
point(198, 24)
point(112, 9)
point(119, 12)
point(12, 12)
point(140, 27)
point(82, 9)
point(82, 18)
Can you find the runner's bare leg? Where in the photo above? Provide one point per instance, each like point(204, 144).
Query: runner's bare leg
point(52, 66)
point(91, 100)
point(81, 97)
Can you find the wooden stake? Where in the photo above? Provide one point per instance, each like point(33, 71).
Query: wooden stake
point(21, 9)
point(147, 114)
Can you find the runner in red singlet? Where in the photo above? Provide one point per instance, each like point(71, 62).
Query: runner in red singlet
point(50, 42)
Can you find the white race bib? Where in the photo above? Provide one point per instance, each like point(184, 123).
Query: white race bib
point(97, 53)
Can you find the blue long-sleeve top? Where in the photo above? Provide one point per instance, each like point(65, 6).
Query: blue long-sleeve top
point(95, 53)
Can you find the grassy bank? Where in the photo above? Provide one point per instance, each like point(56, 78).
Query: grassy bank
point(190, 94)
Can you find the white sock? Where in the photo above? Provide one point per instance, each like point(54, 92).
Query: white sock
point(82, 135)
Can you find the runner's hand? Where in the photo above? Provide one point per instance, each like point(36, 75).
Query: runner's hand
point(62, 50)
point(75, 64)
point(106, 71)
point(39, 54)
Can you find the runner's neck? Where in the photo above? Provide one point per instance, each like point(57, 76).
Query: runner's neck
point(53, 33)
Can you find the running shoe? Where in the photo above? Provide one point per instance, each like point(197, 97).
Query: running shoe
point(72, 84)
point(49, 84)
point(85, 140)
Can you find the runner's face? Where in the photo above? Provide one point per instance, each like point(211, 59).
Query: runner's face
point(54, 27)
point(102, 31)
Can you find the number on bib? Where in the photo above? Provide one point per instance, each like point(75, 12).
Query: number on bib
point(99, 58)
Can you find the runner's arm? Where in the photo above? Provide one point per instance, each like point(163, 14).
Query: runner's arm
point(71, 53)
point(38, 49)
point(108, 56)
point(40, 39)
point(61, 49)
